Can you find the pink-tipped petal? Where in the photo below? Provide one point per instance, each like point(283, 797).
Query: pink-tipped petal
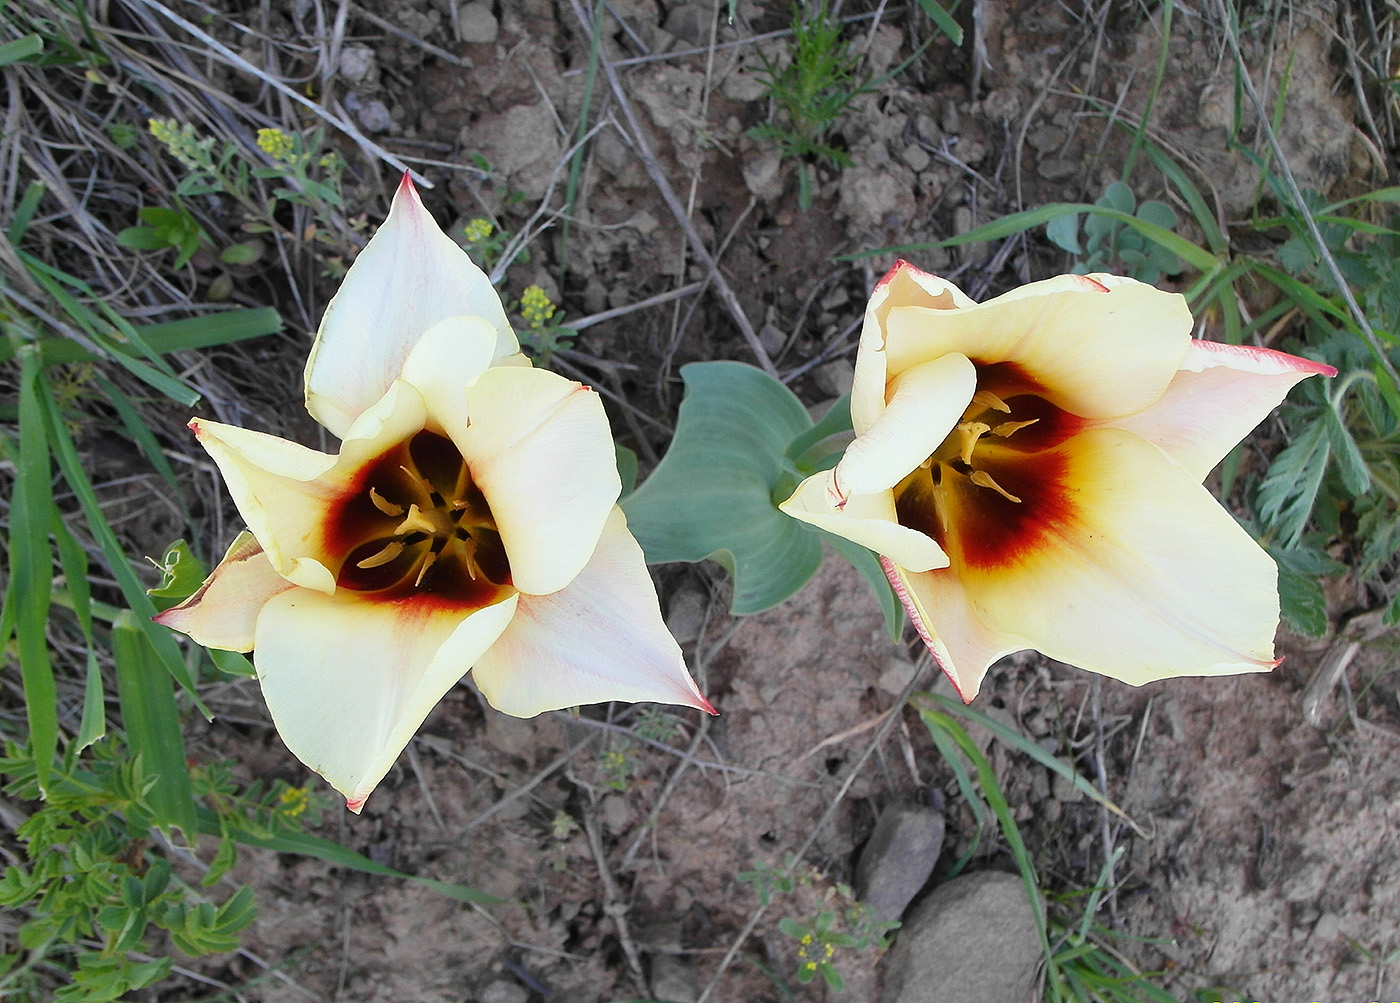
point(284, 491)
point(349, 679)
point(409, 277)
point(869, 520)
point(223, 613)
point(1116, 560)
point(600, 638)
point(1093, 349)
point(1220, 393)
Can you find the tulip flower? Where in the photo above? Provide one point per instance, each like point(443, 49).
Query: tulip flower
point(1029, 470)
point(467, 522)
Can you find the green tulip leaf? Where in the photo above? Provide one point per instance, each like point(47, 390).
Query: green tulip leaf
point(742, 443)
point(711, 496)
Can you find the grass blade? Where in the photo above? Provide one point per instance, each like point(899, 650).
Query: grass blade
point(31, 565)
point(152, 722)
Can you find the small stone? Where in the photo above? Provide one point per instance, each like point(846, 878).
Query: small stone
point(916, 157)
point(357, 62)
point(835, 378)
point(1327, 929)
point(691, 22)
point(1046, 137)
point(772, 338)
point(898, 672)
point(502, 991)
point(686, 614)
point(898, 859)
point(1066, 791)
point(1058, 168)
point(762, 175)
point(476, 23)
point(617, 814)
point(948, 119)
point(674, 980)
point(374, 116)
point(973, 940)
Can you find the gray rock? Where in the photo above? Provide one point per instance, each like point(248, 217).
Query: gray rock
point(674, 980)
point(357, 63)
point(374, 116)
point(502, 991)
point(973, 940)
point(476, 23)
point(898, 859)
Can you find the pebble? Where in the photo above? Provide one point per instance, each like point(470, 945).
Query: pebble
point(835, 378)
point(1058, 168)
point(374, 116)
point(973, 940)
point(356, 62)
point(502, 991)
point(898, 859)
point(916, 157)
point(673, 980)
point(476, 23)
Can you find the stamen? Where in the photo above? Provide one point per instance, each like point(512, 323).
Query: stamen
point(391, 550)
point(416, 522)
point(428, 560)
point(983, 479)
point(968, 434)
point(384, 504)
point(1007, 427)
point(988, 399)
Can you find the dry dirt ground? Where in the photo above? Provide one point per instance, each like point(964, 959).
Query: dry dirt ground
point(1265, 858)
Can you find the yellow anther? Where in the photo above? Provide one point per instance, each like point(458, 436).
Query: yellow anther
point(988, 399)
point(968, 434)
point(984, 480)
point(384, 504)
point(417, 522)
point(423, 570)
point(1007, 427)
point(391, 550)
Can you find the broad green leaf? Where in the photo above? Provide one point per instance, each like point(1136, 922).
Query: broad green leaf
point(712, 495)
point(146, 695)
point(836, 420)
point(31, 564)
point(21, 49)
point(626, 469)
point(181, 574)
point(1302, 603)
point(1063, 232)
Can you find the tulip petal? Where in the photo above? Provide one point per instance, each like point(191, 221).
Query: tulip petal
point(1094, 349)
point(1116, 560)
point(409, 277)
point(448, 359)
point(868, 520)
point(599, 638)
point(540, 449)
point(348, 679)
point(223, 613)
point(1218, 396)
point(903, 285)
point(925, 402)
point(962, 644)
point(283, 490)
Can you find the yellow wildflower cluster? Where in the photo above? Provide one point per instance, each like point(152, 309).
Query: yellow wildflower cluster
point(535, 306)
point(294, 801)
point(182, 141)
point(276, 144)
point(478, 230)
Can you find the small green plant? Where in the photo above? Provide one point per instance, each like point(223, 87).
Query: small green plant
point(164, 228)
point(215, 168)
point(841, 923)
point(1110, 246)
point(811, 90)
point(615, 766)
point(484, 242)
point(543, 333)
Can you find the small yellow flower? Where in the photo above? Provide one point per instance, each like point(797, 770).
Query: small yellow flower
point(276, 144)
point(811, 966)
point(294, 801)
point(830, 950)
point(478, 230)
point(807, 938)
point(535, 306)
